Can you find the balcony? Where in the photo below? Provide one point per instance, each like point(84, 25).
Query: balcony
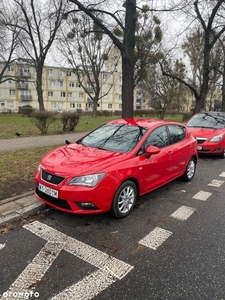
point(23, 74)
point(22, 86)
point(26, 97)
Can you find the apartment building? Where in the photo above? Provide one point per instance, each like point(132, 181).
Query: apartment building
point(61, 89)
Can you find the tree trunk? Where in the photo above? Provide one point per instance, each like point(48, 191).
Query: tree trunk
point(95, 106)
point(223, 85)
point(128, 60)
point(127, 89)
point(39, 90)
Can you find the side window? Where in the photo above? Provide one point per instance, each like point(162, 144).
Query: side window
point(158, 138)
point(177, 133)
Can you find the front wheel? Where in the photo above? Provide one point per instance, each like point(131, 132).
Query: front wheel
point(222, 155)
point(190, 170)
point(124, 199)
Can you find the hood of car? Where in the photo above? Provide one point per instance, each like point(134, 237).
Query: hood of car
point(205, 132)
point(76, 159)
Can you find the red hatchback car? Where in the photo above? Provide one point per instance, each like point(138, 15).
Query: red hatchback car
point(209, 131)
point(110, 167)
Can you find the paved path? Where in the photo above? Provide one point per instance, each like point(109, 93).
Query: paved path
point(19, 143)
point(21, 206)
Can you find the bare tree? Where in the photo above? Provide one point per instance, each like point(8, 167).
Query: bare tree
point(86, 49)
point(165, 92)
point(39, 22)
point(209, 16)
point(120, 26)
point(8, 40)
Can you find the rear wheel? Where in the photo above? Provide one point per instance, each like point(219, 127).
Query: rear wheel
point(190, 170)
point(124, 199)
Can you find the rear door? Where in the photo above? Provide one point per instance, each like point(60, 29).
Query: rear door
point(180, 148)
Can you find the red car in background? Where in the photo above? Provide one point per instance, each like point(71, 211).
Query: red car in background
point(209, 131)
point(110, 167)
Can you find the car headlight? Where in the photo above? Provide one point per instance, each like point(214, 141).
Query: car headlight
point(87, 180)
point(39, 169)
point(217, 138)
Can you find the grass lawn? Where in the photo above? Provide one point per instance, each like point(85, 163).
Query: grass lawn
point(10, 124)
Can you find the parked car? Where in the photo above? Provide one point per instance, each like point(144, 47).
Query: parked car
point(209, 131)
point(111, 166)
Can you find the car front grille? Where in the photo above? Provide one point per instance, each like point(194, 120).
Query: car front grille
point(201, 140)
point(55, 201)
point(54, 179)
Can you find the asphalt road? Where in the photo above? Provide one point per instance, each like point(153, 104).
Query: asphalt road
point(99, 257)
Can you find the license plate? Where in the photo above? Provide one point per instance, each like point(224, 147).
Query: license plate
point(199, 147)
point(47, 190)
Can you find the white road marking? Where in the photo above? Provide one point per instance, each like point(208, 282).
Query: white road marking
point(109, 268)
point(203, 196)
point(2, 246)
point(222, 174)
point(216, 183)
point(87, 288)
point(155, 238)
point(183, 213)
point(36, 269)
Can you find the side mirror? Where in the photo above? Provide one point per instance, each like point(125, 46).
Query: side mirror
point(151, 150)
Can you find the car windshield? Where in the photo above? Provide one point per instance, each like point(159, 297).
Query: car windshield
point(114, 137)
point(207, 121)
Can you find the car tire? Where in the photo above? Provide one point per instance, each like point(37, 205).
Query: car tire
point(222, 155)
point(190, 170)
point(124, 199)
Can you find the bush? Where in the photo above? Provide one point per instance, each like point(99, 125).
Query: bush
point(26, 110)
point(42, 119)
point(186, 116)
point(69, 120)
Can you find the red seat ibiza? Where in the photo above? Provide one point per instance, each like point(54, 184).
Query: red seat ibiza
point(110, 167)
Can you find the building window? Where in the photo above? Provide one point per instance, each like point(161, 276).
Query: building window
point(120, 106)
point(9, 81)
point(60, 83)
point(78, 105)
point(53, 105)
point(10, 68)
point(62, 73)
point(120, 97)
point(72, 84)
point(2, 104)
point(109, 105)
point(10, 104)
point(25, 93)
point(24, 70)
point(50, 94)
point(12, 92)
point(105, 76)
point(72, 105)
point(81, 95)
point(63, 94)
point(78, 85)
point(70, 95)
point(69, 73)
point(50, 72)
point(53, 83)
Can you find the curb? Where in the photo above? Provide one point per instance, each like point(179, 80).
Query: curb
point(18, 207)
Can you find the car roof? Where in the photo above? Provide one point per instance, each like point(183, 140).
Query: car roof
point(148, 123)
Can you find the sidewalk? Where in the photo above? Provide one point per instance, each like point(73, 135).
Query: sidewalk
point(21, 206)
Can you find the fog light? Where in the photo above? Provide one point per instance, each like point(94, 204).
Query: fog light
point(86, 205)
